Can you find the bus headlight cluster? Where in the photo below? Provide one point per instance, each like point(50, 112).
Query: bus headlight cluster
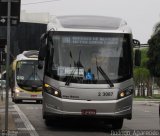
point(53, 91)
point(17, 90)
point(125, 92)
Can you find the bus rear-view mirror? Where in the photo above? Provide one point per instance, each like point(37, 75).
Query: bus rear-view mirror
point(42, 50)
point(136, 43)
point(137, 57)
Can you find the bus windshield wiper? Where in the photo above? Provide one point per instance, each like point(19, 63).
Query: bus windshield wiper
point(105, 76)
point(77, 65)
point(70, 77)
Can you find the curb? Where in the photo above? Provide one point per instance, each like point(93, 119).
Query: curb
point(148, 101)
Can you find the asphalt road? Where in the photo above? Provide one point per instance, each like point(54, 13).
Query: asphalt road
point(145, 117)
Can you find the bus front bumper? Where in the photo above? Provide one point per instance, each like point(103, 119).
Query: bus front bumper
point(74, 108)
point(27, 96)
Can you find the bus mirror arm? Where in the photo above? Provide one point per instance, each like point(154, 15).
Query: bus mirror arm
point(42, 50)
point(43, 37)
point(42, 53)
point(136, 43)
point(137, 57)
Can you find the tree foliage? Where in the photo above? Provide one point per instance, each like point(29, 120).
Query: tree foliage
point(142, 80)
point(142, 76)
point(154, 54)
point(150, 65)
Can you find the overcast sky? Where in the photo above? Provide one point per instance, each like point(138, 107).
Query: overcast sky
point(141, 15)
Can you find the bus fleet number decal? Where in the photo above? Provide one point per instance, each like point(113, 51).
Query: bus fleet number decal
point(105, 93)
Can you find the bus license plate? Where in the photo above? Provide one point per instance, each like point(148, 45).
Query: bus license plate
point(33, 96)
point(88, 112)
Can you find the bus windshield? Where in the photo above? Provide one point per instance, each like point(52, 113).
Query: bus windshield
point(28, 74)
point(80, 55)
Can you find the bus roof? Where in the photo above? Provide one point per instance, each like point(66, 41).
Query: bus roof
point(28, 55)
point(89, 24)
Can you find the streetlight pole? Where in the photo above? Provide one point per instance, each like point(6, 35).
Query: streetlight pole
point(7, 64)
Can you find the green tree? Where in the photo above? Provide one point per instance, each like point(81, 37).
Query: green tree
point(142, 79)
point(156, 28)
point(142, 76)
point(144, 57)
point(154, 55)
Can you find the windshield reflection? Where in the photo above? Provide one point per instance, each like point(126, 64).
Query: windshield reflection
point(77, 55)
point(28, 74)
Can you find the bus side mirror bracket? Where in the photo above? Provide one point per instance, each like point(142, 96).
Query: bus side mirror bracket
point(42, 50)
point(136, 43)
point(137, 57)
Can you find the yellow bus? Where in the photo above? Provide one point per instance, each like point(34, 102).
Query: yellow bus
point(26, 83)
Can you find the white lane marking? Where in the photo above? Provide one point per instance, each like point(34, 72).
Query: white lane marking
point(33, 108)
point(26, 122)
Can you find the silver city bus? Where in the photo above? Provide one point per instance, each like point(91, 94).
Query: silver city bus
point(88, 69)
point(26, 79)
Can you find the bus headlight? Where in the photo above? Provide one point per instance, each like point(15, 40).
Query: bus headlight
point(17, 90)
point(125, 92)
point(53, 91)
point(122, 94)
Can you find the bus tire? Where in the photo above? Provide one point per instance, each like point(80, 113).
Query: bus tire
point(43, 114)
point(48, 122)
point(39, 101)
point(117, 123)
point(17, 101)
point(13, 99)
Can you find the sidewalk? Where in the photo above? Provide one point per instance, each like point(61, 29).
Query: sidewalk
point(18, 124)
point(11, 123)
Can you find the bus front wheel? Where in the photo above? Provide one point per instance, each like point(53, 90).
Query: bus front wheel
point(117, 123)
point(39, 101)
point(48, 122)
point(17, 101)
